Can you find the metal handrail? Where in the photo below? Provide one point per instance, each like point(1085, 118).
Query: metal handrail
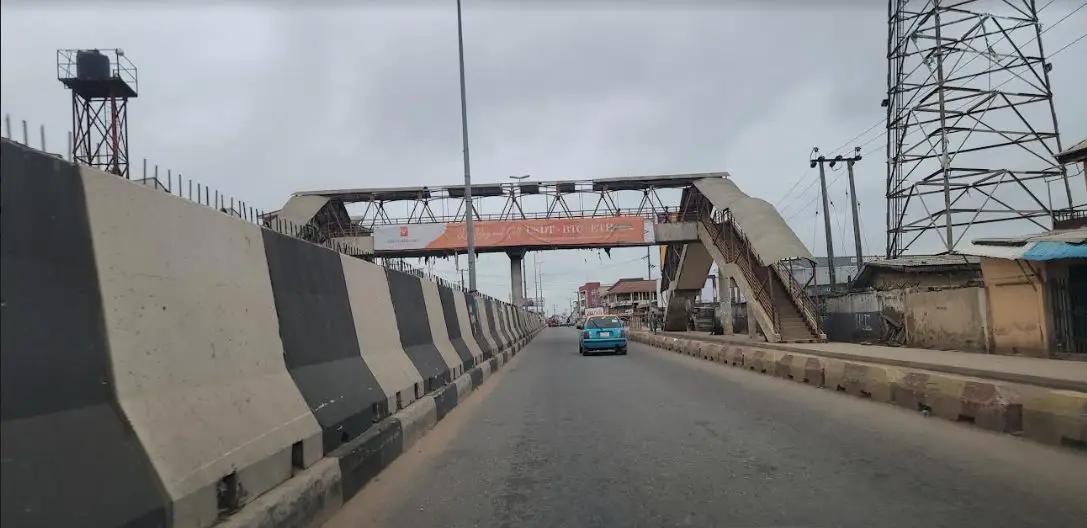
point(802, 301)
point(744, 264)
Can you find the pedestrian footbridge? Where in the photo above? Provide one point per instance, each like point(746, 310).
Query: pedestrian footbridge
point(754, 247)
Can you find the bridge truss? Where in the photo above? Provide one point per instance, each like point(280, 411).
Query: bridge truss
point(560, 199)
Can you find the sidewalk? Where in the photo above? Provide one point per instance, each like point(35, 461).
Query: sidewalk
point(1050, 373)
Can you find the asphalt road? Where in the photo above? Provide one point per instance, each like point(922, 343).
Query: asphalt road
point(656, 439)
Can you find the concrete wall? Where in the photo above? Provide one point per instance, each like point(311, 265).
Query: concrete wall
point(943, 319)
point(1016, 307)
point(163, 361)
point(953, 319)
point(855, 318)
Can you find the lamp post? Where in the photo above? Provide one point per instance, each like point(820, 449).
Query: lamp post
point(469, 210)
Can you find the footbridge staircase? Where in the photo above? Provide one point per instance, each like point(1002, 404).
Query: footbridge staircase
point(752, 244)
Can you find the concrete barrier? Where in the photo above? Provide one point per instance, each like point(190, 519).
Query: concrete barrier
point(504, 326)
point(454, 332)
point(320, 344)
point(1057, 417)
point(984, 404)
point(201, 365)
point(481, 327)
point(493, 328)
point(413, 321)
point(59, 409)
point(1052, 416)
point(379, 337)
point(518, 325)
point(192, 329)
point(468, 332)
point(439, 334)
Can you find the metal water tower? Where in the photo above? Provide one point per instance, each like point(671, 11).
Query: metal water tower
point(101, 81)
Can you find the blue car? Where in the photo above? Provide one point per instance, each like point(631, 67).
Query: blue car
point(602, 332)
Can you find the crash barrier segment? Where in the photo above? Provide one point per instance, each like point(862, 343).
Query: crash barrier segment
point(1051, 416)
point(166, 364)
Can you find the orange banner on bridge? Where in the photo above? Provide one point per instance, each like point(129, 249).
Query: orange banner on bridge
point(603, 232)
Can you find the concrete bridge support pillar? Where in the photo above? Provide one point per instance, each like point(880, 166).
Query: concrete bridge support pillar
point(752, 320)
point(517, 281)
point(724, 299)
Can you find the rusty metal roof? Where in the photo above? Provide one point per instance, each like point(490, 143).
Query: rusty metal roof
point(917, 264)
point(771, 237)
point(632, 286)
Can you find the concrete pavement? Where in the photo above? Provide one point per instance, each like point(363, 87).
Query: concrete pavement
point(660, 439)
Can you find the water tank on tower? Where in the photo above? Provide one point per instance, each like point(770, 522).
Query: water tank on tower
point(91, 65)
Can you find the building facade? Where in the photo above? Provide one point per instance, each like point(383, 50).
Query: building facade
point(631, 298)
point(1037, 293)
point(588, 296)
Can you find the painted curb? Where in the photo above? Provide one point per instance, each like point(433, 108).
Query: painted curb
point(1043, 414)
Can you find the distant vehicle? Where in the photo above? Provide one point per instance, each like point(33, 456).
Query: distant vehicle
point(602, 332)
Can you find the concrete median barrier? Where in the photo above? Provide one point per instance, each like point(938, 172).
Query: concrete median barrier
point(197, 360)
point(482, 327)
point(413, 322)
point(511, 331)
point(465, 354)
point(861, 379)
point(987, 405)
point(802, 368)
point(210, 371)
point(1057, 417)
point(466, 332)
point(320, 345)
point(762, 360)
point(378, 335)
point(490, 321)
point(59, 410)
point(439, 334)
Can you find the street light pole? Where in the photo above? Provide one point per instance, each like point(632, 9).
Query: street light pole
point(469, 210)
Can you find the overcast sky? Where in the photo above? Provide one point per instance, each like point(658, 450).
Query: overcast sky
point(261, 102)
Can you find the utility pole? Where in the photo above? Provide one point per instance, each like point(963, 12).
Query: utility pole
point(469, 209)
point(538, 276)
point(649, 262)
point(853, 201)
point(826, 213)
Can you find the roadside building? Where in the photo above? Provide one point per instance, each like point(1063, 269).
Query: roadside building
point(1037, 293)
point(1072, 217)
point(1075, 154)
point(588, 297)
point(923, 301)
point(631, 298)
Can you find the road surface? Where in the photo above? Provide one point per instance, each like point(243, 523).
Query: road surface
point(657, 439)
